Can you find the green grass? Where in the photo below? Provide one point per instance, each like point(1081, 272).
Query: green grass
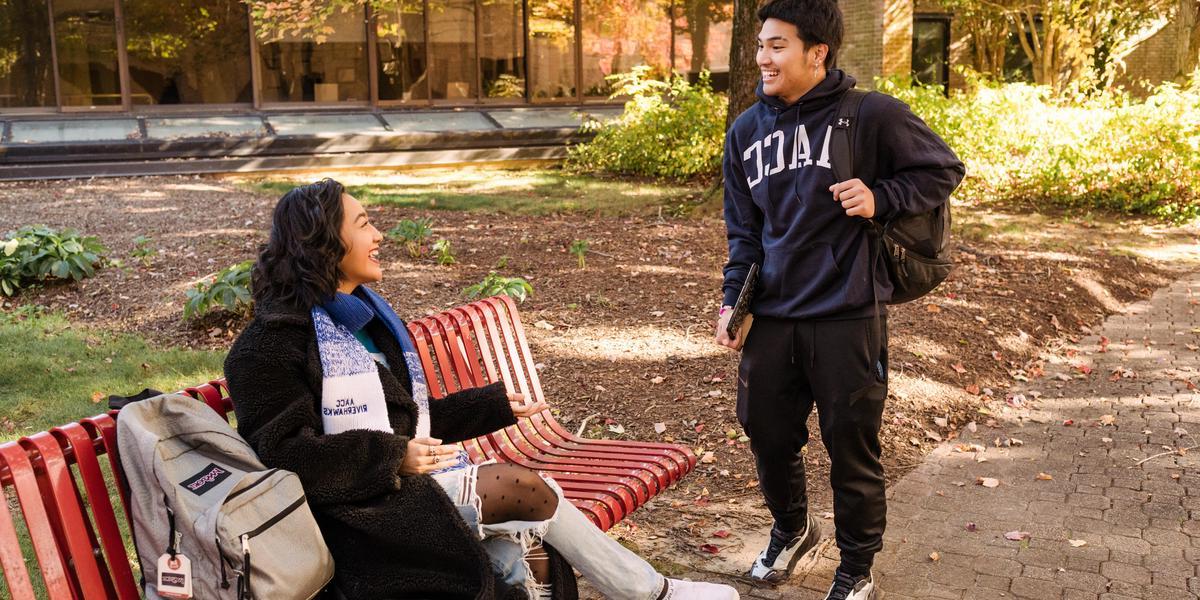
point(525, 192)
point(51, 369)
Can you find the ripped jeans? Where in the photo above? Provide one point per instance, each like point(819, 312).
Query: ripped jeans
point(614, 570)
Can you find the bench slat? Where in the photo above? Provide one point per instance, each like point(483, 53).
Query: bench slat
point(76, 437)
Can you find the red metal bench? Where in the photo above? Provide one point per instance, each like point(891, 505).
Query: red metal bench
point(64, 492)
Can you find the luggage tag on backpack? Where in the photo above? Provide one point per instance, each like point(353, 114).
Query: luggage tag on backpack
point(174, 576)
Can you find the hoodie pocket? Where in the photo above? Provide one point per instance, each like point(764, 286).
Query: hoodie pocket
point(795, 274)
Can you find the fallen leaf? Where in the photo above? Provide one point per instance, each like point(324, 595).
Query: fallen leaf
point(657, 313)
point(1108, 420)
point(1077, 543)
point(544, 325)
point(997, 356)
point(1054, 322)
point(1106, 440)
point(987, 482)
point(1068, 422)
point(972, 389)
point(1044, 477)
point(941, 421)
point(958, 368)
point(753, 483)
point(971, 526)
point(1103, 344)
point(933, 436)
point(709, 549)
point(1085, 369)
point(934, 556)
point(721, 534)
point(827, 515)
point(656, 380)
point(660, 427)
point(714, 393)
point(617, 429)
point(972, 427)
point(1017, 536)
point(933, 308)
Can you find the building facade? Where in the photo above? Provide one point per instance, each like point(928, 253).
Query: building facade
point(147, 55)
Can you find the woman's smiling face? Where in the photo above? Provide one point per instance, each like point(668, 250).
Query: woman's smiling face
point(361, 240)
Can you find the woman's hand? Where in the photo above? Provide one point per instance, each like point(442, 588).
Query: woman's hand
point(521, 408)
point(426, 455)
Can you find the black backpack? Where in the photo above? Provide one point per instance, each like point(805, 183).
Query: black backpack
point(917, 246)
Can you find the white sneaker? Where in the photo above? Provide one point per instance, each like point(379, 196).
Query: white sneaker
point(682, 589)
point(846, 587)
point(778, 560)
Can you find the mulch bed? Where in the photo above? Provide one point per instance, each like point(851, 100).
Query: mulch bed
point(624, 343)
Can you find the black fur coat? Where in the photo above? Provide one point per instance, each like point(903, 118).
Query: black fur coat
point(390, 536)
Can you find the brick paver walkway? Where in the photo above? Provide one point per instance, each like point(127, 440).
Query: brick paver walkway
point(1140, 524)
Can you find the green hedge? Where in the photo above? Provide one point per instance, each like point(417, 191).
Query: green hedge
point(670, 130)
point(1107, 151)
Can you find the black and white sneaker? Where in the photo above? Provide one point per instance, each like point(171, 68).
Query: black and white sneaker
point(849, 587)
point(777, 562)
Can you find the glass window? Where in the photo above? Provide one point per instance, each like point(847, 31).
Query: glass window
point(703, 34)
point(452, 49)
point(618, 36)
point(326, 69)
point(86, 35)
point(1017, 66)
point(552, 49)
point(502, 50)
point(26, 67)
point(400, 29)
point(931, 51)
point(194, 52)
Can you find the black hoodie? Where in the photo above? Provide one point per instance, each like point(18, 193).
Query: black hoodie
point(780, 213)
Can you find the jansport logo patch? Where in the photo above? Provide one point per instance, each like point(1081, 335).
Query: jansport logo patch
point(208, 478)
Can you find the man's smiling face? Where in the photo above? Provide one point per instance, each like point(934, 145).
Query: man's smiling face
point(789, 70)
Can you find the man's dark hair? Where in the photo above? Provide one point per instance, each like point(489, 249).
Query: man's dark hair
point(298, 266)
point(817, 22)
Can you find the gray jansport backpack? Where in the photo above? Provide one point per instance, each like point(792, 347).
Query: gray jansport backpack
point(916, 247)
point(197, 489)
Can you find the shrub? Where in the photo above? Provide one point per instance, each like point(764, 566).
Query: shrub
point(37, 253)
point(1106, 150)
point(579, 249)
point(445, 255)
point(229, 289)
point(670, 129)
point(412, 233)
point(143, 250)
point(494, 285)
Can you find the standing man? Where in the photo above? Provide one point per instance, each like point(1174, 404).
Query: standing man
point(816, 338)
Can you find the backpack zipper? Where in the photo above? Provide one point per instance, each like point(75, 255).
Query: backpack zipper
point(233, 495)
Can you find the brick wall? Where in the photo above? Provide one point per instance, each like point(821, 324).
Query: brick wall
point(1156, 60)
point(862, 47)
point(897, 37)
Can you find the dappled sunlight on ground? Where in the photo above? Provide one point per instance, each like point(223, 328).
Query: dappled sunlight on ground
point(613, 343)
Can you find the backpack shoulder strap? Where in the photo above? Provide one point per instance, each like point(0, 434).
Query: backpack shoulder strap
point(841, 146)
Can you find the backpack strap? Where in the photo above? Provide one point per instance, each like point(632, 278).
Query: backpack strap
point(841, 145)
point(841, 153)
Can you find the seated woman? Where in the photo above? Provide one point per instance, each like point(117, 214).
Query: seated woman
point(328, 385)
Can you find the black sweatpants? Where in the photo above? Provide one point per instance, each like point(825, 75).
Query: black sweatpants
point(840, 366)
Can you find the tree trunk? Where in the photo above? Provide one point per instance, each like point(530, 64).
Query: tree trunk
point(743, 69)
point(1189, 22)
point(698, 18)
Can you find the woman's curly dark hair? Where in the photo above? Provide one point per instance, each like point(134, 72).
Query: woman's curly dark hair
point(298, 266)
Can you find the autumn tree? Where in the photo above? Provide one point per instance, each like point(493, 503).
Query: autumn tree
point(1068, 42)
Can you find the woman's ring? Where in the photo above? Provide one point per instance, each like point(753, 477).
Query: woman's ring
point(432, 451)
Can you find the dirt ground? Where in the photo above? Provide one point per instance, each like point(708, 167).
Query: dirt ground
point(625, 343)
